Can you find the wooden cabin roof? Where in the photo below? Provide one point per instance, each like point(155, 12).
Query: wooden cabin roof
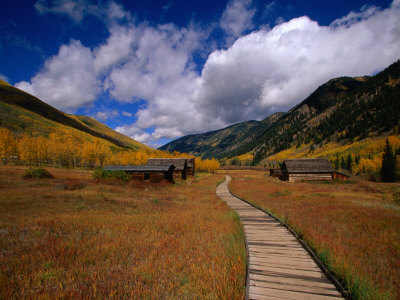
point(320, 165)
point(140, 168)
point(179, 163)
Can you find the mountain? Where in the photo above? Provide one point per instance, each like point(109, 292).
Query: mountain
point(342, 110)
point(221, 143)
point(22, 112)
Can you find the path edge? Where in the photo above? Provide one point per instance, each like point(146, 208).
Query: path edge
point(320, 264)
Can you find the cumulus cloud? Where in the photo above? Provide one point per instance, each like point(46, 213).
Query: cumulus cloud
point(237, 18)
point(267, 70)
point(158, 59)
point(271, 70)
point(67, 80)
point(117, 48)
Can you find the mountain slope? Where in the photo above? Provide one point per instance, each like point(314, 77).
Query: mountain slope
point(22, 112)
point(341, 110)
point(103, 129)
point(219, 143)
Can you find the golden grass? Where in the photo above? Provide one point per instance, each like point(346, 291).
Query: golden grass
point(354, 227)
point(70, 237)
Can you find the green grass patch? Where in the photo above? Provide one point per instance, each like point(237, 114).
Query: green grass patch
point(37, 173)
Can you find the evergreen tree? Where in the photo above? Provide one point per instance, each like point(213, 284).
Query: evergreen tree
point(388, 171)
point(357, 159)
point(343, 163)
point(349, 162)
point(258, 156)
point(336, 162)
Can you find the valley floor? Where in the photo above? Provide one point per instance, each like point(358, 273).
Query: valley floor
point(72, 237)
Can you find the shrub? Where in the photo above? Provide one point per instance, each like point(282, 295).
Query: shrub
point(396, 197)
point(101, 174)
point(37, 173)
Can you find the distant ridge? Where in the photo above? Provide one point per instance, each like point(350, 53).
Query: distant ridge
point(220, 143)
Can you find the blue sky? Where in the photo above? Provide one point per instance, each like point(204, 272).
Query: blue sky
point(157, 70)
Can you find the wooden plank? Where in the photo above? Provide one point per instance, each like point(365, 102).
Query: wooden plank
point(279, 267)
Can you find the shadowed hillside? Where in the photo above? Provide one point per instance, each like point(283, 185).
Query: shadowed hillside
point(22, 112)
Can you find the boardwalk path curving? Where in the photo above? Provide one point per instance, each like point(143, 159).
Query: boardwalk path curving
point(279, 267)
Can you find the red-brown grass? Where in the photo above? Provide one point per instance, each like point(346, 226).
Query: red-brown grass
point(354, 227)
point(63, 239)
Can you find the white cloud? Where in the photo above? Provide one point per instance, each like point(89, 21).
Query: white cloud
point(126, 114)
point(67, 80)
point(262, 72)
point(106, 114)
point(159, 58)
point(355, 17)
point(135, 133)
point(117, 47)
point(237, 17)
point(102, 116)
point(76, 10)
point(271, 70)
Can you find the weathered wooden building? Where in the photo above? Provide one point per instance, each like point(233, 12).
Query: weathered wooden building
point(183, 166)
point(340, 176)
point(153, 173)
point(307, 170)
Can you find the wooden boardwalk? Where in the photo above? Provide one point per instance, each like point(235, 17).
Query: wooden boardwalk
point(279, 267)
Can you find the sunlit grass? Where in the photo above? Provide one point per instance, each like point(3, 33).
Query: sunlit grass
point(354, 227)
point(70, 237)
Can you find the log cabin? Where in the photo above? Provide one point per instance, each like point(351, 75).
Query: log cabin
point(183, 166)
point(307, 170)
point(153, 173)
point(340, 176)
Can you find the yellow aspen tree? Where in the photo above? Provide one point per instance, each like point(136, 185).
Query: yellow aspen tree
point(43, 149)
point(8, 144)
point(102, 152)
point(28, 149)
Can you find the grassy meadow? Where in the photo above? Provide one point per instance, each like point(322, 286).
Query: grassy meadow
point(354, 227)
point(72, 237)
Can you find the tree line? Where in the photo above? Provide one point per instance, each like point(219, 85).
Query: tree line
point(69, 149)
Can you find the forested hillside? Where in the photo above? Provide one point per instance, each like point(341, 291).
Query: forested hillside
point(223, 142)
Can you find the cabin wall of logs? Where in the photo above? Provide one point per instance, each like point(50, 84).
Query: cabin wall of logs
point(293, 170)
point(159, 169)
